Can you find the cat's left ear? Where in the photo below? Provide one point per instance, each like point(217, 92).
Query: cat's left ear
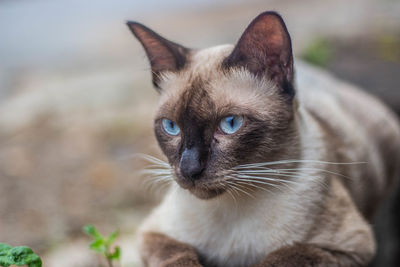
point(163, 54)
point(265, 49)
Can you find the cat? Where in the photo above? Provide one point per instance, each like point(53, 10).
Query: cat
point(266, 173)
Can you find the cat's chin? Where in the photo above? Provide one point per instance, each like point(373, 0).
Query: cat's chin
point(206, 193)
point(202, 190)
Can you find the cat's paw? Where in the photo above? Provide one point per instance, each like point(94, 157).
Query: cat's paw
point(181, 262)
point(300, 255)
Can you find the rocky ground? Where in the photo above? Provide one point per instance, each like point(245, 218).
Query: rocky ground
point(69, 130)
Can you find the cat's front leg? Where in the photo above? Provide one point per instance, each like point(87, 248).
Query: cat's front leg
point(311, 255)
point(159, 250)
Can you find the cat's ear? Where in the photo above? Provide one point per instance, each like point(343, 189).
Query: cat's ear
point(265, 49)
point(163, 55)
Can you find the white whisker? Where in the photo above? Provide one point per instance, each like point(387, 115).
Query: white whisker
point(158, 172)
point(314, 169)
point(157, 166)
point(155, 172)
point(251, 180)
point(236, 186)
point(289, 175)
point(228, 189)
point(253, 185)
point(240, 176)
point(150, 183)
point(260, 170)
point(154, 160)
point(297, 161)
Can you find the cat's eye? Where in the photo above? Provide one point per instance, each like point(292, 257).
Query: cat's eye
point(231, 124)
point(170, 127)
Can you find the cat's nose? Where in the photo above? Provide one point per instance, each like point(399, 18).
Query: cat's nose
point(189, 164)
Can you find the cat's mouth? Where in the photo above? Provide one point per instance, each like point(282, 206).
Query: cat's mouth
point(207, 192)
point(202, 188)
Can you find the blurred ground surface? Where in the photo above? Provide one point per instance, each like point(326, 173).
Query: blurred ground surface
point(71, 120)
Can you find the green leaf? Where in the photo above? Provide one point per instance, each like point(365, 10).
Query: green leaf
point(112, 237)
point(116, 255)
point(98, 246)
point(4, 248)
point(92, 231)
point(18, 256)
point(101, 244)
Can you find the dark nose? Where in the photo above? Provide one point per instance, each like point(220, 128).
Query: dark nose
point(189, 164)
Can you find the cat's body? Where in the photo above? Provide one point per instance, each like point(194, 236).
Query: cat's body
point(314, 213)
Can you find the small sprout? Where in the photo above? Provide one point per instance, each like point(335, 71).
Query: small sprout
point(102, 244)
point(389, 47)
point(319, 52)
point(18, 256)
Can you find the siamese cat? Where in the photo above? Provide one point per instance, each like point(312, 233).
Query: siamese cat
point(266, 172)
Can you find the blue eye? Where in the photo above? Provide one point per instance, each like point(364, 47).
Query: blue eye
point(231, 124)
point(170, 127)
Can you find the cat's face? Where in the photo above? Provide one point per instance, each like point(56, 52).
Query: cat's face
point(224, 106)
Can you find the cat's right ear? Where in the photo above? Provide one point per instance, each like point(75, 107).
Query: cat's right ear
point(163, 54)
point(265, 49)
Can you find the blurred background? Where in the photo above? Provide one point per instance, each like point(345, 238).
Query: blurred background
point(76, 101)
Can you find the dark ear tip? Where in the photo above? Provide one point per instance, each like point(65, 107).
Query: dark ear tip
point(269, 14)
point(136, 28)
point(133, 24)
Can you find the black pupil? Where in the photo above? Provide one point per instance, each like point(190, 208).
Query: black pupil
point(171, 124)
point(231, 122)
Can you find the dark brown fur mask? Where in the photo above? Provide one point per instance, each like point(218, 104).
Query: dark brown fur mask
point(224, 106)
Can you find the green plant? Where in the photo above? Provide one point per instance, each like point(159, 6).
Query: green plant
point(102, 244)
point(18, 256)
point(319, 52)
point(389, 47)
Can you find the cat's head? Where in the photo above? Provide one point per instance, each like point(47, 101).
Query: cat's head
point(223, 106)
